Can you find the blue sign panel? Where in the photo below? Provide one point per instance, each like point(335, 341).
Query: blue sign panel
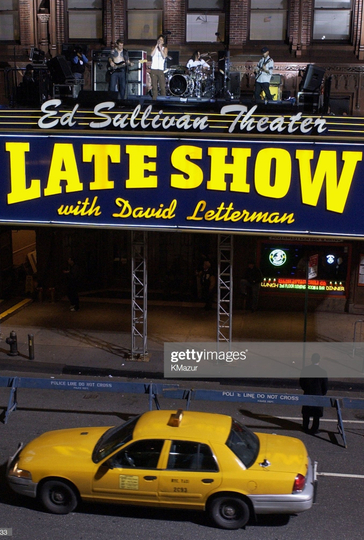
point(231, 185)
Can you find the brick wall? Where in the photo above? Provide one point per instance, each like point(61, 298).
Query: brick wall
point(238, 22)
point(175, 21)
point(26, 22)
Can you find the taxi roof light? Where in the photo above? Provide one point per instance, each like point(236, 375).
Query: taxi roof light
point(176, 418)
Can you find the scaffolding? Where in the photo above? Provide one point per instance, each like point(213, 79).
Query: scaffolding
point(139, 312)
point(225, 288)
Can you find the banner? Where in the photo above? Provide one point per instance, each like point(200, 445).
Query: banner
point(189, 184)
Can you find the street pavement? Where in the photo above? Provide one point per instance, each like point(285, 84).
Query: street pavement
point(96, 340)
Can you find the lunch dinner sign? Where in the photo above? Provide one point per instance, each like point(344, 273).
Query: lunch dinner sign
point(256, 175)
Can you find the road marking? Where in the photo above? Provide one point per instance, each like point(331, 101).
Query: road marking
point(17, 306)
point(322, 419)
point(341, 475)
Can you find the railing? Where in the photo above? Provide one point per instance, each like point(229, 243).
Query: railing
point(173, 391)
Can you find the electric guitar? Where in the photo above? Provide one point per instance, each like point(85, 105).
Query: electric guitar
point(260, 70)
point(121, 65)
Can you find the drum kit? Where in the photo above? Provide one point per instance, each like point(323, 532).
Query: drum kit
point(198, 82)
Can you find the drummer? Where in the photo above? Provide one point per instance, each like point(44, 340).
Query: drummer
point(197, 62)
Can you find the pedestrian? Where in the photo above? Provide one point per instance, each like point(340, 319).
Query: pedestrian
point(314, 382)
point(208, 283)
point(73, 278)
point(250, 285)
point(263, 74)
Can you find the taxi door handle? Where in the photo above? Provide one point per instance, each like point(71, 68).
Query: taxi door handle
point(207, 480)
point(150, 478)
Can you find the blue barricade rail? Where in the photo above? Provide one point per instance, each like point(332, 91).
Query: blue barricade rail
point(173, 391)
point(242, 396)
point(153, 390)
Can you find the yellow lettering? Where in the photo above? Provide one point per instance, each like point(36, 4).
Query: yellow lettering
point(200, 207)
point(192, 176)
point(282, 174)
point(337, 190)
point(238, 169)
point(18, 181)
point(228, 213)
point(101, 154)
point(139, 212)
point(63, 167)
point(125, 208)
point(138, 166)
point(83, 208)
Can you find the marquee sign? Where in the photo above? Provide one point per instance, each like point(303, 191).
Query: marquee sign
point(280, 185)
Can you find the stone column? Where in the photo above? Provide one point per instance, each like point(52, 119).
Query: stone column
point(43, 20)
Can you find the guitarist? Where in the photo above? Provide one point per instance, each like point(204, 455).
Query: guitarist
point(118, 64)
point(263, 74)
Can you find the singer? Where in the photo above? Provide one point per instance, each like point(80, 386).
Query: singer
point(159, 55)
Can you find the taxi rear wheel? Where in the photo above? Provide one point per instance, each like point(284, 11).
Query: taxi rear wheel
point(58, 497)
point(229, 512)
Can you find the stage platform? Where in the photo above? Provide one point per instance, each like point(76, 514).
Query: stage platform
point(90, 98)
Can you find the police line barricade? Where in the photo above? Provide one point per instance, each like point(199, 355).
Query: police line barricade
point(153, 390)
point(270, 398)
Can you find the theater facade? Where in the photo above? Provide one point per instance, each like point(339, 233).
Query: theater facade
point(188, 176)
point(285, 188)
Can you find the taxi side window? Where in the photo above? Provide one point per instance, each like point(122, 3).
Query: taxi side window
point(191, 456)
point(139, 455)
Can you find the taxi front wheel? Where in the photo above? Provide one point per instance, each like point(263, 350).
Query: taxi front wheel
point(58, 497)
point(229, 512)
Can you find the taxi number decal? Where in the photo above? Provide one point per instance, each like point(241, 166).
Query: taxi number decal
point(180, 490)
point(128, 482)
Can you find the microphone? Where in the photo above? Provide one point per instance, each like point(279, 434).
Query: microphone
point(167, 33)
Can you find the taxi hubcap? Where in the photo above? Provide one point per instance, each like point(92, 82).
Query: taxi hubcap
point(58, 497)
point(229, 511)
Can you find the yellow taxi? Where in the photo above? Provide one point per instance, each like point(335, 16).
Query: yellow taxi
point(183, 459)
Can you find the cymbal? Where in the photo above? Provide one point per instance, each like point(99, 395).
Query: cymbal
point(204, 54)
point(212, 52)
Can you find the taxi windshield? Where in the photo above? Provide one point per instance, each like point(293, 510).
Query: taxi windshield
point(113, 439)
point(244, 443)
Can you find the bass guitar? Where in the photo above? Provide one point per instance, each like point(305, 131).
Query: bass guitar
point(118, 67)
point(121, 65)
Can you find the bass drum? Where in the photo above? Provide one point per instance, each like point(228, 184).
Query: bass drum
point(181, 85)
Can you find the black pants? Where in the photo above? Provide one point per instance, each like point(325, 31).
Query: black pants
point(72, 294)
point(262, 87)
point(311, 412)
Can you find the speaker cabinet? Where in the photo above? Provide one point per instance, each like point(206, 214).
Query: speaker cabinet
point(137, 74)
point(173, 59)
point(100, 74)
point(60, 70)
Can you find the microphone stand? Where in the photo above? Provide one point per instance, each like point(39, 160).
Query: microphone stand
point(226, 91)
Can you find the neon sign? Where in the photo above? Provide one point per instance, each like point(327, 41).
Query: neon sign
point(314, 285)
point(277, 257)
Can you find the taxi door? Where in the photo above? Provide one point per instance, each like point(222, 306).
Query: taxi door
point(191, 474)
point(131, 474)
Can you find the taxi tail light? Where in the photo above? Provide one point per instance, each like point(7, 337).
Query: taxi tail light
point(299, 483)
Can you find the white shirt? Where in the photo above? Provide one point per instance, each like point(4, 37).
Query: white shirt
point(196, 63)
point(268, 64)
point(158, 60)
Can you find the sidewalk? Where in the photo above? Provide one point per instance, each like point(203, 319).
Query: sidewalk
point(97, 339)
